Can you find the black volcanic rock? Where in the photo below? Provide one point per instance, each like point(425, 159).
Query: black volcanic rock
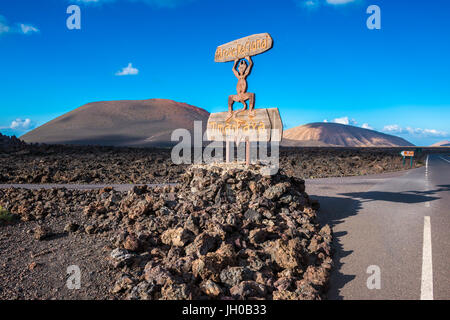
point(7, 142)
point(225, 233)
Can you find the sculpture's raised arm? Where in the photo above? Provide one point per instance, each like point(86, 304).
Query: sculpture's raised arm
point(250, 65)
point(234, 68)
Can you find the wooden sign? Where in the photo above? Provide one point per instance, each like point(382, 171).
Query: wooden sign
point(248, 46)
point(259, 125)
point(407, 153)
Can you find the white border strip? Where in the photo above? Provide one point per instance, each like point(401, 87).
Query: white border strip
point(426, 289)
point(444, 159)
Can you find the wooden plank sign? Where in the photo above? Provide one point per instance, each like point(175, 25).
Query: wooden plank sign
point(248, 46)
point(258, 125)
point(407, 153)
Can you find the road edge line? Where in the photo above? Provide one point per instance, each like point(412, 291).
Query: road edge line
point(426, 289)
point(444, 159)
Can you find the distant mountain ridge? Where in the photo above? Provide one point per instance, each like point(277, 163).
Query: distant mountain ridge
point(335, 134)
point(146, 123)
point(444, 143)
point(120, 123)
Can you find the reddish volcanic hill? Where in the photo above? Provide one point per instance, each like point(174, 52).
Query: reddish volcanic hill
point(334, 134)
point(119, 123)
point(444, 143)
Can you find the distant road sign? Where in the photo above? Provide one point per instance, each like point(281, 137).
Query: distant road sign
point(407, 153)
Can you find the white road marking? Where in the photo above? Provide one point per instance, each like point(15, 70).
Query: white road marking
point(426, 289)
point(444, 159)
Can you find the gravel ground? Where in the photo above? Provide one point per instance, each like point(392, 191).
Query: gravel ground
point(37, 269)
point(52, 229)
point(221, 234)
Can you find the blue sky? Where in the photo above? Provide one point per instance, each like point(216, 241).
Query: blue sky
point(325, 64)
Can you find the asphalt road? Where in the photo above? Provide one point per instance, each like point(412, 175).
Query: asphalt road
point(397, 224)
point(394, 225)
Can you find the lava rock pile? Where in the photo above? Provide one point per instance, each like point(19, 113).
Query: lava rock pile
point(223, 233)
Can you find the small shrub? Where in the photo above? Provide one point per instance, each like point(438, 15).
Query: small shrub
point(5, 215)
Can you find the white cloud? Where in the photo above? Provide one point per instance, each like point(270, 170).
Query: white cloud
point(433, 132)
point(93, 1)
point(155, 3)
point(313, 4)
point(166, 3)
point(128, 70)
point(395, 128)
point(18, 28)
point(338, 2)
point(20, 124)
point(18, 127)
point(310, 4)
point(349, 121)
point(27, 28)
point(427, 132)
point(343, 120)
point(4, 28)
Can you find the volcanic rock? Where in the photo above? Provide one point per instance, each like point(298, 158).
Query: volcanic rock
point(211, 288)
point(71, 227)
point(226, 231)
point(121, 257)
point(42, 232)
point(9, 143)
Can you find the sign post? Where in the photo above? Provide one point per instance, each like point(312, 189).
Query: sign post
point(408, 154)
point(247, 124)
